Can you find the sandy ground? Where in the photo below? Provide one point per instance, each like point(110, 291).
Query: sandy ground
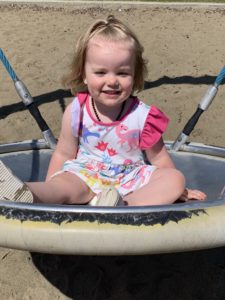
point(185, 49)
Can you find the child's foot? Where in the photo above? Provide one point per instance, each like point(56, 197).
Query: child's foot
point(108, 197)
point(12, 188)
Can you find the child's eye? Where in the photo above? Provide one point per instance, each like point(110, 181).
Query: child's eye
point(123, 74)
point(99, 73)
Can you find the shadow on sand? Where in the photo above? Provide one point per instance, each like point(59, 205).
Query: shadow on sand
point(187, 276)
point(60, 95)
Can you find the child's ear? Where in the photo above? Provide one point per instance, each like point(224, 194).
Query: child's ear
point(85, 80)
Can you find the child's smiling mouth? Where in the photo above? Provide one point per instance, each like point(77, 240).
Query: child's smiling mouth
point(110, 92)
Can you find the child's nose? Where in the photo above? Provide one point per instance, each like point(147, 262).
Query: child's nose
point(112, 80)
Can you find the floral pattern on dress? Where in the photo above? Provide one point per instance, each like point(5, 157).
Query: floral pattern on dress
point(110, 154)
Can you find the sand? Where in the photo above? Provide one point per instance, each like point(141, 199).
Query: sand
point(185, 49)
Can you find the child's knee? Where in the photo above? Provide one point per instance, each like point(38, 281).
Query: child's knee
point(179, 181)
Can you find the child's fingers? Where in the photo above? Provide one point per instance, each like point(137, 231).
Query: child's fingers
point(196, 194)
point(189, 194)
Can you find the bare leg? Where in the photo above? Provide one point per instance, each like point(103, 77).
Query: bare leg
point(165, 187)
point(65, 188)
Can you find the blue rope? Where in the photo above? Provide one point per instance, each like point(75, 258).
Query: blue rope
point(220, 77)
point(9, 69)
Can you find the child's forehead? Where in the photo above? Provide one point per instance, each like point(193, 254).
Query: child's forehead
point(101, 41)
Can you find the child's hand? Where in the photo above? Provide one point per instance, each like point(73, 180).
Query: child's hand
point(193, 195)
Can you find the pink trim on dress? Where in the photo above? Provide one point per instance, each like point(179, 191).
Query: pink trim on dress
point(155, 125)
point(82, 97)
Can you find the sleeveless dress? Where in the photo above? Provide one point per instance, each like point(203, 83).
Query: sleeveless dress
point(113, 153)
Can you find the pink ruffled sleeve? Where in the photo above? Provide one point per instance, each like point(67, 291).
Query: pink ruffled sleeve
point(155, 125)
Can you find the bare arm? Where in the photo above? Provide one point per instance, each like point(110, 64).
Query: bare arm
point(159, 156)
point(66, 147)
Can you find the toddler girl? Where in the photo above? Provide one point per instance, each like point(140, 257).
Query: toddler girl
point(108, 136)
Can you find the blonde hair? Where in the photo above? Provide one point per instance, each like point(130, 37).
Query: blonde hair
point(113, 30)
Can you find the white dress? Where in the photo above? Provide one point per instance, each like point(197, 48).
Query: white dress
point(112, 153)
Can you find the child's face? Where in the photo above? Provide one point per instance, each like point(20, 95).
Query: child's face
point(109, 70)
